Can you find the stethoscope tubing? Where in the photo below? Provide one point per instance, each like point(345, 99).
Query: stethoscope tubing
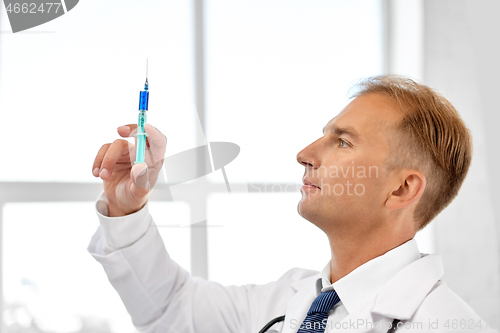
point(394, 325)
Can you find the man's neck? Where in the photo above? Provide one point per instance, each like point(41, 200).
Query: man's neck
point(349, 253)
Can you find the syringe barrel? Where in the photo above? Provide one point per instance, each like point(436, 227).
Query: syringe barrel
point(143, 100)
point(141, 137)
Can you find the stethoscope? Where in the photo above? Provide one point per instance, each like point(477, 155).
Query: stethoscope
point(264, 329)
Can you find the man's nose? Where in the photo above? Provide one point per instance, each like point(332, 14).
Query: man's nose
point(308, 156)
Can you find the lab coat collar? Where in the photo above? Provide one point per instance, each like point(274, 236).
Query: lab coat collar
point(398, 298)
point(404, 293)
point(300, 303)
point(363, 283)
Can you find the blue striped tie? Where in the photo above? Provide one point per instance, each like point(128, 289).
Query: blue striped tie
point(317, 315)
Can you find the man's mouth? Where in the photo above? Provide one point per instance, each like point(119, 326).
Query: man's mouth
point(308, 183)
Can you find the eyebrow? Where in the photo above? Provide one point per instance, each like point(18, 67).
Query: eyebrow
point(344, 130)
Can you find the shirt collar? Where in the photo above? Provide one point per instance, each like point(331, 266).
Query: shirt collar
point(363, 283)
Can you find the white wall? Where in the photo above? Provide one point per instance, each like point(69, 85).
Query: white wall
point(461, 60)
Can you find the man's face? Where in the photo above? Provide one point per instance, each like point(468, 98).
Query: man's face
point(347, 164)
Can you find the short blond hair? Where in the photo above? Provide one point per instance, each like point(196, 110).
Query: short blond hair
point(433, 140)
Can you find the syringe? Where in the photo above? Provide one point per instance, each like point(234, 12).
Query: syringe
point(141, 133)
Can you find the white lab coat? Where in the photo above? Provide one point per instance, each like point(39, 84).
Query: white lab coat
point(162, 297)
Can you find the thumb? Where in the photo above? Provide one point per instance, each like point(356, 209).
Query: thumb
point(140, 175)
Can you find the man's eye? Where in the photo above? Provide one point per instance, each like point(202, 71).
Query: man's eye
point(343, 144)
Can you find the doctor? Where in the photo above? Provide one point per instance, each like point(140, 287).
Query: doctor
point(393, 159)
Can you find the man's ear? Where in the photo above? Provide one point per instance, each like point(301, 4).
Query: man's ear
point(409, 189)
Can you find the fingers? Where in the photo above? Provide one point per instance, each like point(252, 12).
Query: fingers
point(140, 175)
point(155, 140)
point(96, 167)
point(125, 130)
point(130, 130)
point(110, 156)
point(157, 143)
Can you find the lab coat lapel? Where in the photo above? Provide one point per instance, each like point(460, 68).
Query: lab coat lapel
point(404, 293)
point(300, 303)
point(362, 320)
point(399, 298)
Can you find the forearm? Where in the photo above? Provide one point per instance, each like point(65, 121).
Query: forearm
point(134, 257)
point(143, 275)
point(160, 295)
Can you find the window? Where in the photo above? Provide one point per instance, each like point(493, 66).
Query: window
point(275, 72)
